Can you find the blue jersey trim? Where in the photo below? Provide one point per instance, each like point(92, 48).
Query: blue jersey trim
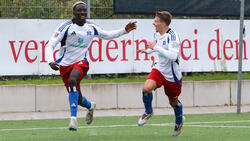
point(64, 25)
point(85, 54)
point(175, 78)
point(63, 41)
point(86, 60)
point(60, 59)
point(173, 36)
point(95, 31)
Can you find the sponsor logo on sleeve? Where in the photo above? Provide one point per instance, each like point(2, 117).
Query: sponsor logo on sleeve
point(175, 45)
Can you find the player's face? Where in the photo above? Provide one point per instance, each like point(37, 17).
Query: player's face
point(80, 13)
point(158, 24)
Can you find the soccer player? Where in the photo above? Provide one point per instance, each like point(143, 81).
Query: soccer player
point(75, 36)
point(166, 71)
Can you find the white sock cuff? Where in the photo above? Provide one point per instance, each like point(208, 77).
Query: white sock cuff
point(74, 89)
point(73, 117)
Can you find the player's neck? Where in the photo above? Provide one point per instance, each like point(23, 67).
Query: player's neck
point(80, 23)
point(164, 30)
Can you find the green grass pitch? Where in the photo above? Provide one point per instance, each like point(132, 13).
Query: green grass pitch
point(198, 127)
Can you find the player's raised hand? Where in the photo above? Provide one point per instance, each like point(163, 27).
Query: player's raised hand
point(142, 51)
point(54, 66)
point(130, 26)
point(151, 45)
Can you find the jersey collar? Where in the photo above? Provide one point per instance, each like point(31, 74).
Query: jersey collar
point(168, 30)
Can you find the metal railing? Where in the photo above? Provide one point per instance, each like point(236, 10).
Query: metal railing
point(48, 9)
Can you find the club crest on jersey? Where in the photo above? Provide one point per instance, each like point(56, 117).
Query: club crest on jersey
point(164, 43)
point(88, 33)
point(80, 40)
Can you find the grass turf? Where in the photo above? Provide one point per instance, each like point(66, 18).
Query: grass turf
point(115, 78)
point(102, 129)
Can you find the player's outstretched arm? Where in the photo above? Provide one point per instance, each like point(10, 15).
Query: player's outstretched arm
point(130, 26)
point(115, 33)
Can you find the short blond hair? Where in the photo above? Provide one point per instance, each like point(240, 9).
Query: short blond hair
point(76, 3)
point(164, 16)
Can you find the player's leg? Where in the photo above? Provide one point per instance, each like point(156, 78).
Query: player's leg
point(154, 80)
point(82, 67)
point(74, 77)
point(147, 98)
point(73, 93)
point(89, 105)
point(83, 101)
point(179, 118)
point(173, 90)
point(178, 109)
point(147, 95)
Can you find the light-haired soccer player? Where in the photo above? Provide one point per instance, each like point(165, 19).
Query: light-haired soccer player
point(166, 71)
point(75, 36)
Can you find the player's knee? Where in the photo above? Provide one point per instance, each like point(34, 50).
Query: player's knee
point(72, 83)
point(174, 102)
point(146, 90)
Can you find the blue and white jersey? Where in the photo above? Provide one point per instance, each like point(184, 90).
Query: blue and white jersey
point(75, 41)
point(168, 50)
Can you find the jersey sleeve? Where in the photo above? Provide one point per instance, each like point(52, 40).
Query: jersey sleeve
point(174, 42)
point(55, 39)
point(108, 34)
point(149, 51)
point(172, 52)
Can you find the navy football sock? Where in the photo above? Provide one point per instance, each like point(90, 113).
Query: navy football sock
point(178, 111)
point(85, 102)
point(147, 100)
point(73, 102)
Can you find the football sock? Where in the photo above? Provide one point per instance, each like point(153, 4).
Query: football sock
point(178, 113)
point(147, 100)
point(73, 101)
point(85, 102)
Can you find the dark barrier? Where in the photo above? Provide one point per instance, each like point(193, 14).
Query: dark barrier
point(182, 7)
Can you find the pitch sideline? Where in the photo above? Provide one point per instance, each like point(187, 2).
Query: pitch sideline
point(187, 124)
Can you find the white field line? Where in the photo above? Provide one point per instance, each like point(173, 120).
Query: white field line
point(188, 124)
point(217, 126)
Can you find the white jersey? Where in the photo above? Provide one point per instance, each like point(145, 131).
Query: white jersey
point(75, 41)
point(168, 48)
